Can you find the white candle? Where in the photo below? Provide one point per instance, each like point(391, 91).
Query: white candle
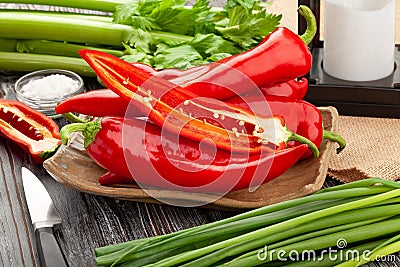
point(359, 39)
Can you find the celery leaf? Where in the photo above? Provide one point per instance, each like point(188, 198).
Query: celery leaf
point(180, 57)
point(171, 34)
point(209, 44)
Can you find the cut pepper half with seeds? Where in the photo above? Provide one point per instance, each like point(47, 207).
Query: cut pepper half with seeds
point(207, 120)
point(30, 129)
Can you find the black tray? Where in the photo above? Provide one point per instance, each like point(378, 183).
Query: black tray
point(380, 98)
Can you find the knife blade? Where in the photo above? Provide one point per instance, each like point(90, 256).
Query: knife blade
point(45, 219)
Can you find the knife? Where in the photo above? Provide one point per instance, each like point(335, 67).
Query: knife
point(45, 219)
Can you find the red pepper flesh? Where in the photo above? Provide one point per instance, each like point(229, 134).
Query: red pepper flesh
point(97, 103)
point(30, 129)
point(110, 178)
point(300, 116)
point(293, 88)
point(184, 113)
point(280, 57)
point(156, 158)
point(92, 103)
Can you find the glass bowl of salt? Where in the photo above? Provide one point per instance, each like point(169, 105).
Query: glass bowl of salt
point(43, 90)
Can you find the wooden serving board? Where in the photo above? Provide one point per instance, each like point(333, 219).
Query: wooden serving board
point(73, 168)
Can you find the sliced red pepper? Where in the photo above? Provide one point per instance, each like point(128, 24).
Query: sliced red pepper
point(227, 126)
point(300, 116)
point(153, 157)
point(294, 88)
point(30, 129)
point(93, 103)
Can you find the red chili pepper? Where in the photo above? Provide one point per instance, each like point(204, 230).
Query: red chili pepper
point(111, 178)
point(92, 103)
point(28, 128)
point(300, 116)
point(282, 56)
point(156, 158)
point(97, 103)
point(293, 88)
point(227, 126)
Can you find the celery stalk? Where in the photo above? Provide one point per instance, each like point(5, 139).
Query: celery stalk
point(100, 5)
point(13, 61)
point(31, 25)
point(8, 45)
point(95, 17)
point(56, 48)
point(48, 27)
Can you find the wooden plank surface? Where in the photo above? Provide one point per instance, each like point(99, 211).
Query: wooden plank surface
point(88, 221)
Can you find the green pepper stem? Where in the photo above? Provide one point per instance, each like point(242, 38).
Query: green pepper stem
point(303, 140)
point(73, 118)
point(88, 129)
point(335, 138)
point(311, 30)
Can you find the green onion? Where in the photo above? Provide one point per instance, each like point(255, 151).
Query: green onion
point(335, 258)
point(383, 249)
point(358, 212)
point(328, 196)
point(13, 61)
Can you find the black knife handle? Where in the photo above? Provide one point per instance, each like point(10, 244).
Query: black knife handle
point(50, 254)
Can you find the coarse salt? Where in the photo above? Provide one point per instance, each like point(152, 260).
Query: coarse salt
point(48, 87)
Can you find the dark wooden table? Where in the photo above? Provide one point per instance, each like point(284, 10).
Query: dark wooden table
point(89, 221)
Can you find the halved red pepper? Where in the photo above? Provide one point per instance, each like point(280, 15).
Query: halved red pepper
point(227, 126)
point(300, 116)
point(273, 66)
point(92, 103)
point(138, 150)
point(295, 88)
point(30, 129)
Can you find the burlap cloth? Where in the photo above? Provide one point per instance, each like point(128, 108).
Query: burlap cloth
point(373, 149)
point(373, 144)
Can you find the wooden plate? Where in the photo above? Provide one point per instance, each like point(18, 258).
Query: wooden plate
point(72, 167)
